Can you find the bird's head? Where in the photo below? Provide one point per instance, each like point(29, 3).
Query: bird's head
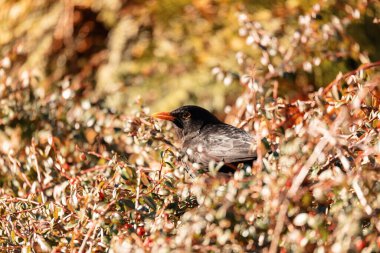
point(188, 118)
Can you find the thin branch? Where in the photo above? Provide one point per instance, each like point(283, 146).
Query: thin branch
point(279, 225)
point(338, 80)
point(359, 193)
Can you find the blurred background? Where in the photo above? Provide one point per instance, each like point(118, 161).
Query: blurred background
point(173, 52)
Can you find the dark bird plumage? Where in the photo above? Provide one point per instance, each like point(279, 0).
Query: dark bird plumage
point(208, 138)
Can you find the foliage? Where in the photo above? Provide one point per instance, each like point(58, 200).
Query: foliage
point(79, 174)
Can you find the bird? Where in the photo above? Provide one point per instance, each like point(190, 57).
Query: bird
point(205, 138)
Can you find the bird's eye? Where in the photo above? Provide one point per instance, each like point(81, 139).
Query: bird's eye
point(186, 115)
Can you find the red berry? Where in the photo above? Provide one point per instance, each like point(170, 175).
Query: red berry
point(359, 245)
point(83, 157)
point(73, 180)
point(148, 242)
point(65, 166)
point(127, 226)
point(140, 231)
point(288, 183)
point(101, 196)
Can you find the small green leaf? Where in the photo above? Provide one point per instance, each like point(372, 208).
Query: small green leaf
point(266, 143)
point(150, 202)
point(126, 204)
point(128, 174)
point(170, 164)
point(168, 184)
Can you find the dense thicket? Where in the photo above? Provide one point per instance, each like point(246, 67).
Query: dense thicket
point(83, 167)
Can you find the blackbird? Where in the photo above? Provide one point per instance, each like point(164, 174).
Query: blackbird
point(204, 138)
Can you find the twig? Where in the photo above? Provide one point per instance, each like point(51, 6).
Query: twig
point(316, 152)
point(305, 169)
point(95, 168)
point(138, 188)
point(279, 225)
point(90, 231)
point(21, 211)
point(362, 67)
point(153, 188)
point(17, 199)
point(33, 149)
point(359, 193)
point(108, 207)
point(16, 166)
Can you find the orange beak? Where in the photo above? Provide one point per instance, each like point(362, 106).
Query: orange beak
point(163, 115)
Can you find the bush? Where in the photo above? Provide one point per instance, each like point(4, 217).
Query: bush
point(79, 175)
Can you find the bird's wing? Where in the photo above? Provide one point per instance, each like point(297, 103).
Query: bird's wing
point(227, 144)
